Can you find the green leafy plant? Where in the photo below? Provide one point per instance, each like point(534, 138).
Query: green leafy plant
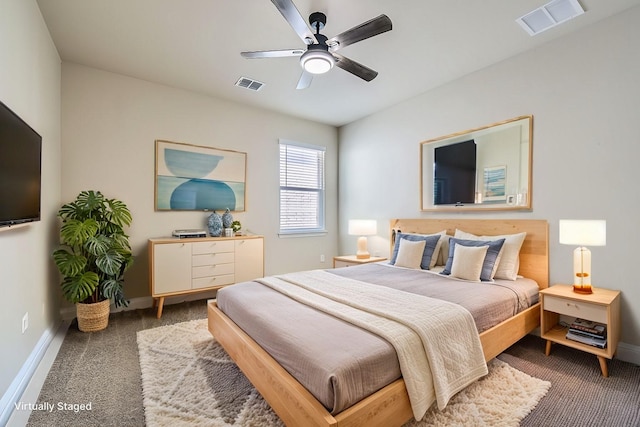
point(95, 251)
point(236, 226)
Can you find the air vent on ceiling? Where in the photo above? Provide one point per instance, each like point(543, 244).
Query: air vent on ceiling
point(249, 83)
point(551, 14)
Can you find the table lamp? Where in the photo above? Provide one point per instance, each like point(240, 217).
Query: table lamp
point(362, 228)
point(582, 233)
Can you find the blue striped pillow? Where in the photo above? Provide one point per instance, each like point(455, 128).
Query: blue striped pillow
point(495, 246)
point(431, 242)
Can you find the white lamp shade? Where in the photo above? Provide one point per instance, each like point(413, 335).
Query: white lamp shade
point(363, 227)
point(583, 232)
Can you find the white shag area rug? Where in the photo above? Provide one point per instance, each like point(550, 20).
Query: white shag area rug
point(189, 380)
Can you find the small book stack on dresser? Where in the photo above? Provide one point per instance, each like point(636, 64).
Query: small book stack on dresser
point(588, 332)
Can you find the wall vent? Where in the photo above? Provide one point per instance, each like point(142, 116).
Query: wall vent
point(548, 16)
point(250, 84)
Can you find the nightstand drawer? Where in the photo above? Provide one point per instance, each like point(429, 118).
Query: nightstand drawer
point(580, 309)
point(341, 264)
point(353, 260)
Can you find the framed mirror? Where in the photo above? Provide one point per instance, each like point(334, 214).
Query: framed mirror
point(487, 168)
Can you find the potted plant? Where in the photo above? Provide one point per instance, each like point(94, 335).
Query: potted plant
point(94, 254)
point(236, 226)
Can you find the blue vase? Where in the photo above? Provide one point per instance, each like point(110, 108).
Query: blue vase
point(227, 219)
point(215, 225)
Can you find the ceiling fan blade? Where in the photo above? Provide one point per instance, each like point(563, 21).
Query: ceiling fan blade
point(355, 68)
point(371, 28)
point(272, 53)
point(297, 22)
point(305, 80)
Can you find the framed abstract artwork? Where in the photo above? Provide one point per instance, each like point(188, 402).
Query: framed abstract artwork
point(196, 178)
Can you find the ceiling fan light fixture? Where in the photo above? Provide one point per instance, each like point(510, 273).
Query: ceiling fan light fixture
point(317, 61)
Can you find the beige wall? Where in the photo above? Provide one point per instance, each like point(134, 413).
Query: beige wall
point(110, 123)
point(30, 86)
point(583, 92)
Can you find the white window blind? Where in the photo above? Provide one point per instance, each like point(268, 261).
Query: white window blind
point(301, 188)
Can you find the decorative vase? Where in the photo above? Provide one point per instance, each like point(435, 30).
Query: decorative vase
point(215, 225)
point(227, 219)
point(93, 317)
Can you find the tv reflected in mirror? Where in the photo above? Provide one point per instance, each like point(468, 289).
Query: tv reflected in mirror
point(20, 170)
point(454, 173)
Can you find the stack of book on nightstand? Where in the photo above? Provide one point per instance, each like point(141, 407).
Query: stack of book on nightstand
point(588, 332)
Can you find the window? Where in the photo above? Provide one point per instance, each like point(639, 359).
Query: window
point(301, 188)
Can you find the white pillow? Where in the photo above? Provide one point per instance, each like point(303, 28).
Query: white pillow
point(468, 261)
point(410, 253)
point(509, 262)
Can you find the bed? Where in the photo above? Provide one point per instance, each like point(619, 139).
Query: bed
point(389, 405)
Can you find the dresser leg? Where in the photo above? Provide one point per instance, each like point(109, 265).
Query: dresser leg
point(603, 366)
point(547, 349)
point(160, 305)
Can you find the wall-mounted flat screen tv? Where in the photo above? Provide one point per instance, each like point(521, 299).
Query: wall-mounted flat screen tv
point(20, 169)
point(455, 173)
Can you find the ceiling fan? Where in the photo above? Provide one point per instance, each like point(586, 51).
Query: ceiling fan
point(320, 55)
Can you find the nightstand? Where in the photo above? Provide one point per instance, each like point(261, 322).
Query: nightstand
point(351, 260)
point(602, 306)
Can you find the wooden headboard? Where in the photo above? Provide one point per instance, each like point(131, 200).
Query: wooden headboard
point(534, 255)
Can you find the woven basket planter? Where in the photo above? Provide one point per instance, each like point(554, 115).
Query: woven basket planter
point(93, 317)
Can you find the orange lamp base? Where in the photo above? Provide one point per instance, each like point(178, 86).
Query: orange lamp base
point(582, 289)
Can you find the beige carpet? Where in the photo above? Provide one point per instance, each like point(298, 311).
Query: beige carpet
point(188, 380)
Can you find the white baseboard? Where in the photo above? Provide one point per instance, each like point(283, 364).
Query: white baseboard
point(18, 388)
point(628, 353)
point(69, 313)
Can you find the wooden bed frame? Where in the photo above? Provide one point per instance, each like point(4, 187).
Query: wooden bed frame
point(389, 406)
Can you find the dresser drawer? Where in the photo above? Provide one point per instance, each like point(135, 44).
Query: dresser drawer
point(211, 281)
point(212, 247)
point(212, 259)
point(584, 310)
point(212, 270)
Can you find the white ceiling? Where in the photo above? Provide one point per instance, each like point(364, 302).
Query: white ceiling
point(196, 45)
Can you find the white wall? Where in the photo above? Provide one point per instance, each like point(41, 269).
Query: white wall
point(30, 86)
point(583, 92)
point(110, 123)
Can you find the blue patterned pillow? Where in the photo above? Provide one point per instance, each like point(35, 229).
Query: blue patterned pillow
point(489, 261)
point(431, 242)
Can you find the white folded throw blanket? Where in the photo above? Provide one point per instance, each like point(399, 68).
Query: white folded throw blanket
point(437, 343)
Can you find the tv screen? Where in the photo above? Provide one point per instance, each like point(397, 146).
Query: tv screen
point(455, 173)
point(20, 163)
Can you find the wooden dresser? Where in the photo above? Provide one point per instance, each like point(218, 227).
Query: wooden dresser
point(185, 266)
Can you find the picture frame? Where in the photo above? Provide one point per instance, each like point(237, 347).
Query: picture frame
point(199, 178)
point(495, 181)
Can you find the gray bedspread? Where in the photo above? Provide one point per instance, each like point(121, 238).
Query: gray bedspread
point(340, 363)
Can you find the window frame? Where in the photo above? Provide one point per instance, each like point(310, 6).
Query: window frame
point(320, 228)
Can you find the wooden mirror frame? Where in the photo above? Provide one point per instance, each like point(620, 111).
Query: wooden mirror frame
point(517, 187)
